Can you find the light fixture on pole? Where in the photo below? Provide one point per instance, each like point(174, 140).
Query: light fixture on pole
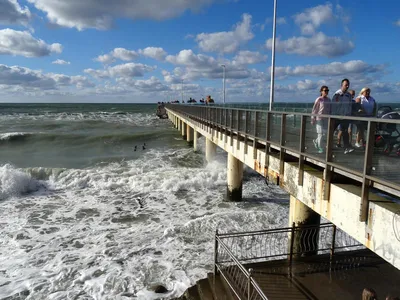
point(271, 95)
point(223, 82)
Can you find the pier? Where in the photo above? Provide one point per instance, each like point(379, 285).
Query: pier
point(356, 192)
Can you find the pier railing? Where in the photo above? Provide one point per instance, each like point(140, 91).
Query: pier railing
point(234, 250)
point(294, 133)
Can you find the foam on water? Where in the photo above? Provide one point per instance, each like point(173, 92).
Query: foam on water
point(115, 231)
point(10, 135)
point(15, 183)
point(135, 119)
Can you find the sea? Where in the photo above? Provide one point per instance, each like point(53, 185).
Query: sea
point(106, 201)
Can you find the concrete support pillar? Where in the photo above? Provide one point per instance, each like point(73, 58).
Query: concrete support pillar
point(305, 242)
point(195, 140)
point(179, 124)
point(235, 179)
point(189, 134)
point(211, 150)
point(184, 126)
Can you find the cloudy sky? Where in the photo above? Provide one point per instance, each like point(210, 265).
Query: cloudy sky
point(142, 50)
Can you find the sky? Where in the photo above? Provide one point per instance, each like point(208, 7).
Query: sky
point(139, 51)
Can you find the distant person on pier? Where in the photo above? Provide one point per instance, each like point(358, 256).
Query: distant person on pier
point(209, 100)
point(322, 106)
point(342, 106)
point(369, 294)
point(368, 109)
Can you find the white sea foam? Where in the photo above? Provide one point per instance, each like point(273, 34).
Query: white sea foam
point(115, 231)
point(135, 119)
point(8, 135)
point(15, 183)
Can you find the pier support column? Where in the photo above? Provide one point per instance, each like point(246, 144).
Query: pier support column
point(195, 140)
point(304, 241)
point(189, 134)
point(211, 150)
point(235, 179)
point(179, 124)
point(184, 126)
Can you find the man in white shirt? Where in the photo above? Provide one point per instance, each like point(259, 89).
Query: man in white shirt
point(341, 105)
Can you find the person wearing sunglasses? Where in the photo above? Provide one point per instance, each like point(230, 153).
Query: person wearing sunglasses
point(322, 106)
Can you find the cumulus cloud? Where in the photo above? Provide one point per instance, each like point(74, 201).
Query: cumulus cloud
point(249, 57)
point(12, 13)
point(61, 62)
point(305, 85)
point(22, 43)
point(312, 18)
point(153, 84)
point(27, 79)
point(100, 14)
point(154, 52)
point(123, 70)
point(279, 21)
point(198, 66)
point(317, 45)
point(397, 23)
point(352, 67)
point(117, 53)
point(227, 41)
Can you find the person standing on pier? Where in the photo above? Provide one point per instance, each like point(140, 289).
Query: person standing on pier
point(342, 106)
point(368, 109)
point(322, 106)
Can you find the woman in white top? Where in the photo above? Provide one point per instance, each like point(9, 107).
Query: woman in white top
point(368, 107)
point(322, 106)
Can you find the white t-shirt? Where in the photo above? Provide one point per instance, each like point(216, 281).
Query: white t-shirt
point(367, 105)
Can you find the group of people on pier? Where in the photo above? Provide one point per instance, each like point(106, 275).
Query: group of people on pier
point(342, 104)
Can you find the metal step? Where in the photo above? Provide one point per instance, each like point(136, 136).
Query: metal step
point(218, 288)
point(205, 290)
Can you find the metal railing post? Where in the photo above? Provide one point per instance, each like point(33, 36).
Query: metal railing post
point(333, 242)
point(230, 126)
point(216, 253)
point(327, 176)
point(256, 115)
point(292, 233)
point(369, 149)
point(282, 151)
point(249, 287)
point(302, 148)
point(267, 139)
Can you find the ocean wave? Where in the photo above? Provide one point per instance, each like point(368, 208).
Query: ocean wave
point(14, 182)
point(79, 139)
point(10, 136)
point(120, 117)
point(120, 228)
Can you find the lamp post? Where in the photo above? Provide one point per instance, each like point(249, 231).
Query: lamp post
point(271, 94)
point(182, 90)
point(223, 82)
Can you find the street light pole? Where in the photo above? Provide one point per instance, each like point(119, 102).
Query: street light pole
point(271, 95)
point(223, 82)
point(182, 89)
